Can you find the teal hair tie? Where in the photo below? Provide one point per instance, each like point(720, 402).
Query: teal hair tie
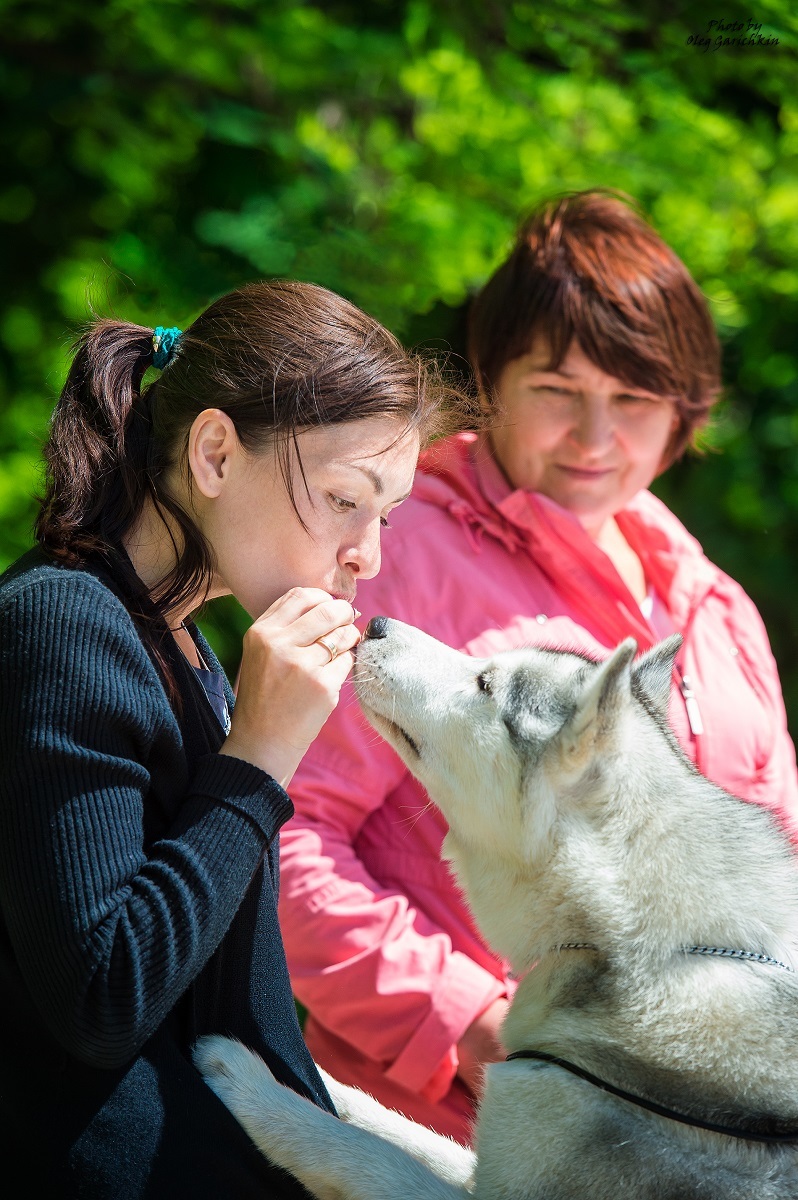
point(164, 345)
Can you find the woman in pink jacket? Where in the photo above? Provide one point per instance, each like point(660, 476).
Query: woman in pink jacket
point(597, 360)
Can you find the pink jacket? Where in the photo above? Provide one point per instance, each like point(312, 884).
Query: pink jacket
point(380, 946)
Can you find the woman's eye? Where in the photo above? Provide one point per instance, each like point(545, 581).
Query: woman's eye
point(341, 504)
point(556, 393)
point(483, 683)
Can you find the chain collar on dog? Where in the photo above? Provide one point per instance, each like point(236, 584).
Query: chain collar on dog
point(717, 951)
point(651, 1105)
point(746, 955)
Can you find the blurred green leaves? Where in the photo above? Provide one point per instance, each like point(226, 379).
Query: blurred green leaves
point(157, 154)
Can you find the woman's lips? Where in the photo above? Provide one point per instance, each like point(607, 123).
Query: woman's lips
point(585, 472)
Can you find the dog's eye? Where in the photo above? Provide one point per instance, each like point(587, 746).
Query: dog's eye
point(483, 682)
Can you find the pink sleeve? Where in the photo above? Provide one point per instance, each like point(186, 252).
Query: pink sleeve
point(775, 785)
point(777, 779)
point(373, 969)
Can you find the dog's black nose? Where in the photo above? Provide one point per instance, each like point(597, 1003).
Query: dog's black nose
point(377, 628)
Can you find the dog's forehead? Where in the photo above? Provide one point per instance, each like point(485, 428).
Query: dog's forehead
point(530, 664)
point(537, 681)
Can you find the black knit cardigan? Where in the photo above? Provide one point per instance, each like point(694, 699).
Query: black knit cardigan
point(138, 897)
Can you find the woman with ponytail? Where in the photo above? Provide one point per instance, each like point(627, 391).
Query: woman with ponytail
point(139, 803)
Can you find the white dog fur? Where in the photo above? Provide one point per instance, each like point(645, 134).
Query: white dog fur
point(575, 821)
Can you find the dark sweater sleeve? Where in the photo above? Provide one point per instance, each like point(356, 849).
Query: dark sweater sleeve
point(108, 931)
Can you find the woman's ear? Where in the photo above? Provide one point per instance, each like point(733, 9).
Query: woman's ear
point(212, 444)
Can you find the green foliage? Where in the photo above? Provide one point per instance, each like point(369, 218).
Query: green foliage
point(161, 153)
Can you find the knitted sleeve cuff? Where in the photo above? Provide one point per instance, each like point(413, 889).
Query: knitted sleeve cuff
point(245, 788)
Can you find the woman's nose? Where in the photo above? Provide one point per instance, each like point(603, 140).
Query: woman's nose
point(363, 560)
point(593, 429)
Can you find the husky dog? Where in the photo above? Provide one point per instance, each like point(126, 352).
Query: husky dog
point(652, 921)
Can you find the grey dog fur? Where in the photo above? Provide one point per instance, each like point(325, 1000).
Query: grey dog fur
point(574, 817)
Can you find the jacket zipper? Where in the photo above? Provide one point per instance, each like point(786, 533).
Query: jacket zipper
point(691, 704)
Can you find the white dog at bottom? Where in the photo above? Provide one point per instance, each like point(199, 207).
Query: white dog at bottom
point(651, 918)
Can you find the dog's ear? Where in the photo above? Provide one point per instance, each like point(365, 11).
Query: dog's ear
point(654, 670)
point(607, 688)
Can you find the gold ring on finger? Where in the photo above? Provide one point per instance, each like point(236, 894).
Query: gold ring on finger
point(329, 646)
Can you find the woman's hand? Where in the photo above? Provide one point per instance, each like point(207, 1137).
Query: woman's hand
point(480, 1045)
point(288, 684)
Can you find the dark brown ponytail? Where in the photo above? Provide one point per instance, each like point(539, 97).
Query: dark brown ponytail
point(96, 452)
point(97, 455)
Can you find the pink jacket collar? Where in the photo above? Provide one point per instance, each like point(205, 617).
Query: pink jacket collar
point(461, 475)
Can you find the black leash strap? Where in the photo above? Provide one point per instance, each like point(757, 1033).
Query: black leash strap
point(651, 1105)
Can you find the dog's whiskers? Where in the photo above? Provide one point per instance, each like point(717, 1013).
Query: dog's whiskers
point(412, 819)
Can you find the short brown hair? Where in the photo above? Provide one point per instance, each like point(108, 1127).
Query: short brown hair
point(586, 266)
